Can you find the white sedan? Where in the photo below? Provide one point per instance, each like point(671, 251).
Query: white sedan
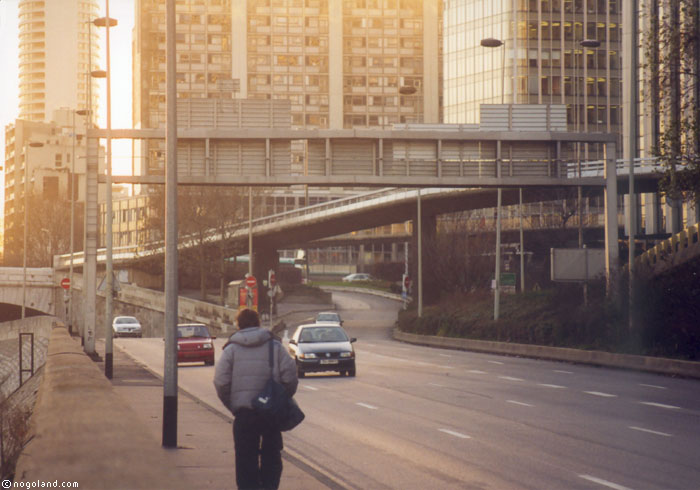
point(126, 326)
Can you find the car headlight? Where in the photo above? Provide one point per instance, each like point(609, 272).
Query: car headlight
point(346, 354)
point(207, 346)
point(307, 355)
point(178, 346)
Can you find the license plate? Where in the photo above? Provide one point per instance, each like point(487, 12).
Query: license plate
point(329, 361)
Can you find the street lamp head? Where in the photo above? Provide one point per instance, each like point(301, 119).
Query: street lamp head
point(491, 42)
point(590, 43)
point(407, 90)
point(36, 144)
point(82, 112)
point(98, 74)
point(102, 22)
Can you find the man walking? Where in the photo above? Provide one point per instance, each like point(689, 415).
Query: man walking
point(241, 374)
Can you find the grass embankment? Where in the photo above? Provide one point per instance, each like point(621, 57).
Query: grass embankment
point(555, 317)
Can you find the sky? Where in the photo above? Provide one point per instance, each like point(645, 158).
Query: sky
point(120, 41)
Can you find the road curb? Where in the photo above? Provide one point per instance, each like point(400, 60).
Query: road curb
point(657, 365)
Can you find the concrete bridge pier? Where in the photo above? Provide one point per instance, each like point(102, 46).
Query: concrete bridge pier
point(431, 286)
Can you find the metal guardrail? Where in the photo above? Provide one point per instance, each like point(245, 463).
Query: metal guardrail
point(596, 168)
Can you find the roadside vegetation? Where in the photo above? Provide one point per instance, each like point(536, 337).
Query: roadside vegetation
point(666, 317)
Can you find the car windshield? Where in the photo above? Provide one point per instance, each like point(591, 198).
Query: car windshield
point(192, 331)
point(318, 334)
point(327, 317)
point(127, 319)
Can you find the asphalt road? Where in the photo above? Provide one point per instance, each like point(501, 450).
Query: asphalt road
point(424, 418)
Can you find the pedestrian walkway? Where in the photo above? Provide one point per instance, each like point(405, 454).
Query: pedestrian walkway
point(205, 442)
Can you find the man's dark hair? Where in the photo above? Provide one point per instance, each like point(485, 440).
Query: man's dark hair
point(248, 318)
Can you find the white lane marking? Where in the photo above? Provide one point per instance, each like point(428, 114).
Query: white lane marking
point(653, 386)
point(649, 431)
point(312, 388)
point(562, 371)
point(598, 393)
point(604, 483)
point(522, 404)
point(476, 371)
point(409, 361)
point(547, 385)
point(366, 405)
point(495, 362)
point(444, 355)
point(660, 405)
point(456, 434)
point(510, 378)
point(436, 384)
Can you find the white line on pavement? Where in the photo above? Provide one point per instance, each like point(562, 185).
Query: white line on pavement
point(660, 405)
point(598, 393)
point(547, 385)
point(436, 384)
point(366, 405)
point(456, 434)
point(562, 371)
point(605, 483)
point(653, 386)
point(312, 388)
point(522, 404)
point(510, 378)
point(642, 429)
point(495, 362)
point(444, 355)
point(476, 371)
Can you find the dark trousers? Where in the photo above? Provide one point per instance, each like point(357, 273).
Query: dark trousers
point(258, 451)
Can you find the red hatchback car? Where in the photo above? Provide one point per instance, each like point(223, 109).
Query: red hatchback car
point(194, 343)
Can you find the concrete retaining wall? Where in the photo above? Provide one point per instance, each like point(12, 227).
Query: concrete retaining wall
point(82, 431)
point(597, 358)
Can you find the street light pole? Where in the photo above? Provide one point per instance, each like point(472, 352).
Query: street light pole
point(107, 22)
point(27, 145)
point(171, 256)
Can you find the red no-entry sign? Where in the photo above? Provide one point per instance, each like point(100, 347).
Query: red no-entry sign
point(65, 283)
point(251, 282)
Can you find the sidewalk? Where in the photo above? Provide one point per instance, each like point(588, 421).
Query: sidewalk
point(205, 442)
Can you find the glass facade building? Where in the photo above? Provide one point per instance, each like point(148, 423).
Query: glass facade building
point(553, 52)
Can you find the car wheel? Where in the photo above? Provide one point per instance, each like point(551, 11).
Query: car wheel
point(352, 372)
point(209, 363)
point(300, 373)
point(343, 373)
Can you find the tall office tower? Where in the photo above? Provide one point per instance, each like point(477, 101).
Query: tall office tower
point(343, 64)
point(554, 52)
point(56, 40)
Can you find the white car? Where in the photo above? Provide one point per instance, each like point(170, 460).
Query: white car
point(357, 277)
point(329, 317)
point(126, 326)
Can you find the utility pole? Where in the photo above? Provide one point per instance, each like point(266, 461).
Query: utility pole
point(171, 283)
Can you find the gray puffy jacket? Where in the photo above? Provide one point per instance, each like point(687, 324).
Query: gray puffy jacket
point(243, 368)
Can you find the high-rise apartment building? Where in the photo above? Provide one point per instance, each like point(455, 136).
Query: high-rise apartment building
point(554, 52)
point(56, 42)
point(341, 63)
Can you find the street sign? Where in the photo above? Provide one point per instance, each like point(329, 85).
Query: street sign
point(407, 282)
point(65, 283)
point(251, 282)
point(271, 279)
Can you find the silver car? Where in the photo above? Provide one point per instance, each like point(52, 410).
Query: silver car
point(126, 326)
point(359, 276)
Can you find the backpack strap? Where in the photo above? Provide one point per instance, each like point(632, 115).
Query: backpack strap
point(270, 357)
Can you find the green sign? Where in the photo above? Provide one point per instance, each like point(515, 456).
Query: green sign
point(508, 279)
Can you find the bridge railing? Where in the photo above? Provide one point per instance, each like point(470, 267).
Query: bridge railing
point(596, 168)
point(665, 250)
